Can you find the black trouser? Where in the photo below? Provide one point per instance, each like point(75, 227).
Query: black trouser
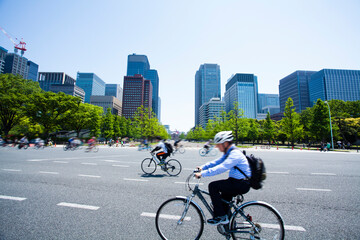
point(162, 156)
point(226, 189)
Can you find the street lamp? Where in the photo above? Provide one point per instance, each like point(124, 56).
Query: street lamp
point(332, 141)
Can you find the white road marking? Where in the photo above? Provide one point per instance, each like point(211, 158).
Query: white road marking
point(36, 160)
point(189, 183)
point(48, 172)
point(276, 226)
point(61, 162)
point(324, 174)
point(92, 176)
point(112, 161)
point(75, 205)
point(137, 180)
point(11, 170)
point(278, 172)
point(166, 216)
point(86, 163)
point(125, 166)
point(314, 189)
point(12, 198)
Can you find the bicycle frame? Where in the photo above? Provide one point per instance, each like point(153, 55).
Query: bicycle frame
point(199, 193)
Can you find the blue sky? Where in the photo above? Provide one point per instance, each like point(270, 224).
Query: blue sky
point(268, 38)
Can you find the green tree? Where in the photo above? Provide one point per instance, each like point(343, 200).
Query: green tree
point(253, 133)
point(236, 123)
point(84, 116)
point(269, 128)
point(305, 121)
point(141, 122)
point(14, 93)
point(320, 125)
point(50, 109)
point(291, 125)
point(107, 129)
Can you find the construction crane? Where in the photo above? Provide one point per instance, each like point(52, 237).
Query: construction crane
point(18, 45)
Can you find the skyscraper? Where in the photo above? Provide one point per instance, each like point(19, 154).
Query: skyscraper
point(107, 102)
point(210, 110)
point(139, 64)
point(92, 85)
point(242, 88)
point(114, 90)
point(328, 84)
point(15, 64)
point(268, 103)
point(295, 86)
point(137, 92)
point(3, 53)
point(46, 79)
point(207, 86)
point(33, 70)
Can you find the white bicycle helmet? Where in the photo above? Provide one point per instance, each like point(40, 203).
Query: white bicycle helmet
point(224, 136)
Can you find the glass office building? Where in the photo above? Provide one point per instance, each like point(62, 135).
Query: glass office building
point(268, 103)
point(3, 53)
point(295, 86)
point(207, 86)
point(91, 84)
point(210, 110)
point(139, 64)
point(328, 84)
point(46, 79)
point(242, 88)
point(33, 70)
point(15, 64)
point(114, 90)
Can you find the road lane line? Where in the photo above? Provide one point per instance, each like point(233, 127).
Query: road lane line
point(278, 172)
point(12, 198)
point(36, 160)
point(314, 189)
point(61, 162)
point(166, 216)
point(11, 170)
point(75, 205)
point(124, 166)
point(92, 176)
point(324, 174)
point(112, 161)
point(134, 179)
point(189, 183)
point(87, 163)
point(44, 172)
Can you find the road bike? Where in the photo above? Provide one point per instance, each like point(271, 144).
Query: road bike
point(143, 147)
point(182, 218)
point(171, 166)
point(71, 147)
point(93, 148)
point(208, 152)
point(179, 149)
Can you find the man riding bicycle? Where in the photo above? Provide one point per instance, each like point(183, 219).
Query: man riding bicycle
point(207, 146)
point(233, 159)
point(162, 155)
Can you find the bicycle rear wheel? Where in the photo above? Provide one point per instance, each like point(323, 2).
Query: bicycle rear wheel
point(148, 165)
point(213, 152)
point(263, 222)
point(181, 150)
point(95, 149)
point(168, 223)
point(173, 167)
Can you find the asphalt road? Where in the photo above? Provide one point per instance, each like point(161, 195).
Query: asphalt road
point(52, 194)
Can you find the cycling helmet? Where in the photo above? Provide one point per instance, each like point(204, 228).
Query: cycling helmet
point(224, 136)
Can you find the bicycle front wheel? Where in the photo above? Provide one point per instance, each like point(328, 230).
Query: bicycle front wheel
point(262, 222)
point(202, 152)
point(173, 167)
point(148, 165)
point(169, 224)
point(95, 149)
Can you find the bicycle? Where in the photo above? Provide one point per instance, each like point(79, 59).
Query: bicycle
point(171, 166)
point(182, 218)
point(143, 147)
point(179, 149)
point(205, 152)
point(93, 148)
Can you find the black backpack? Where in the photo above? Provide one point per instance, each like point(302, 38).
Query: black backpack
point(258, 171)
point(169, 148)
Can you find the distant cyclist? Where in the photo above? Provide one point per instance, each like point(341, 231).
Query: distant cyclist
point(207, 145)
point(233, 160)
point(91, 142)
point(163, 154)
point(176, 144)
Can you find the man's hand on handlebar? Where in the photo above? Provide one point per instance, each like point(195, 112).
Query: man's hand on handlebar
point(198, 172)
